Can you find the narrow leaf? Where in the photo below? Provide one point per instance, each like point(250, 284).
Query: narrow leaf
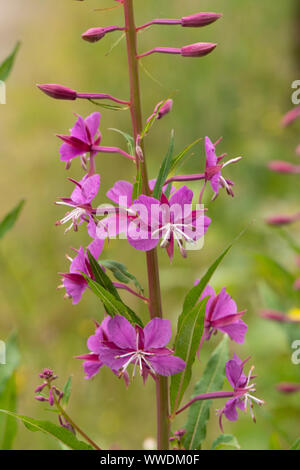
point(67, 392)
point(8, 425)
point(212, 380)
point(186, 345)
point(178, 159)
point(129, 139)
point(194, 294)
point(115, 306)
point(164, 169)
point(7, 64)
point(111, 107)
point(138, 185)
point(10, 219)
point(225, 440)
point(121, 273)
point(61, 434)
point(296, 445)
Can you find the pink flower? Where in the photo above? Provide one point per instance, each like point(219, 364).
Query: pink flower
point(80, 200)
point(73, 281)
point(221, 314)
point(167, 221)
point(84, 136)
point(117, 344)
point(213, 168)
point(242, 388)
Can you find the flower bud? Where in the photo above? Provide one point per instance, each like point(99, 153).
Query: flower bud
point(287, 387)
point(95, 34)
point(279, 220)
point(283, 167)
point(200, 19)
point(164, 109)
point(58, 92)
point(291, 116)
point(199, 49)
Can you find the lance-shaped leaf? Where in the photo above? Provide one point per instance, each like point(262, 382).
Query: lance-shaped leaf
point(111, 107)
point(164, 169)
point(178, 159)
point(8, 425)
point(102, 279)
point(113, 306)
point(296, 445)
point(186, 344)
point(225, 440)
point(10, 219)
point(138, 185)
point(129, 139)
point(212, 380)
point(67, 392)
point(63, 435)
point(194, 294)
point(7, 64)
point(121, 273)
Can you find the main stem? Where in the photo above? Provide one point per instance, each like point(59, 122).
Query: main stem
point(155, 306)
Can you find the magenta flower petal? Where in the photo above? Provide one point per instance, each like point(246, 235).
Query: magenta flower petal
point(167, 365)
point(182, 197)
point(122, 333)
point(92, 122)
point(67, 152)
point(230, 410)
point(87, 189)
point(236, 331)
point(75, 285)
point(233, 372)
point(121, 189)
point(157, 333)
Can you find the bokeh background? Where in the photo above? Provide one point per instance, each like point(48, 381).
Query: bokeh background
point(239, 92)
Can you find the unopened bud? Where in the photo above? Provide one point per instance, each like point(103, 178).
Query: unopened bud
point(199, 49)
point(284, 167)
point(95, 34)
point(287, 387)
point(200, 19)
point(58, 92)
point(164, 109)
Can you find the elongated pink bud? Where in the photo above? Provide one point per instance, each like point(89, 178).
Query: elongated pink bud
point(199, 49)
point(291, 116)
point(288, 387)
point(284, 167)
point(282, 219)
point(200, 19)
point(95, 34)
point(58, 92)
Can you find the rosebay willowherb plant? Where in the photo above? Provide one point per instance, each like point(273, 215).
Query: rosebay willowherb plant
point(151, 214)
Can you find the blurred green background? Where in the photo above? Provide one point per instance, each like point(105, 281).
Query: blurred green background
point(239, 92)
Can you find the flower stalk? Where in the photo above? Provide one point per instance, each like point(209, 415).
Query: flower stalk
point(155, 305)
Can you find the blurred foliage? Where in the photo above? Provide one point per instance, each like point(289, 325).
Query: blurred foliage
point(239, 92)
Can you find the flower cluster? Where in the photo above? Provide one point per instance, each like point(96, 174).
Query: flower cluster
point(159, 212)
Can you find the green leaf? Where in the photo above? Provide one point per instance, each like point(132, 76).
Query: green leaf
point(121, 273)
point(61, 434)
point(109, 301)
point(212, 380)
point(12, 361)
point(111, 107)
point(129, 139)
point(164, 169)
point(178, 158)
point(225, 440)
point(138, 185)
point(186, 344)
point(101, 278)
point(67, 392)
point(276, 275)
point(10, 219)
point(296, 445)
point(8, 425)
point(7, 64)
point(194, 294)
